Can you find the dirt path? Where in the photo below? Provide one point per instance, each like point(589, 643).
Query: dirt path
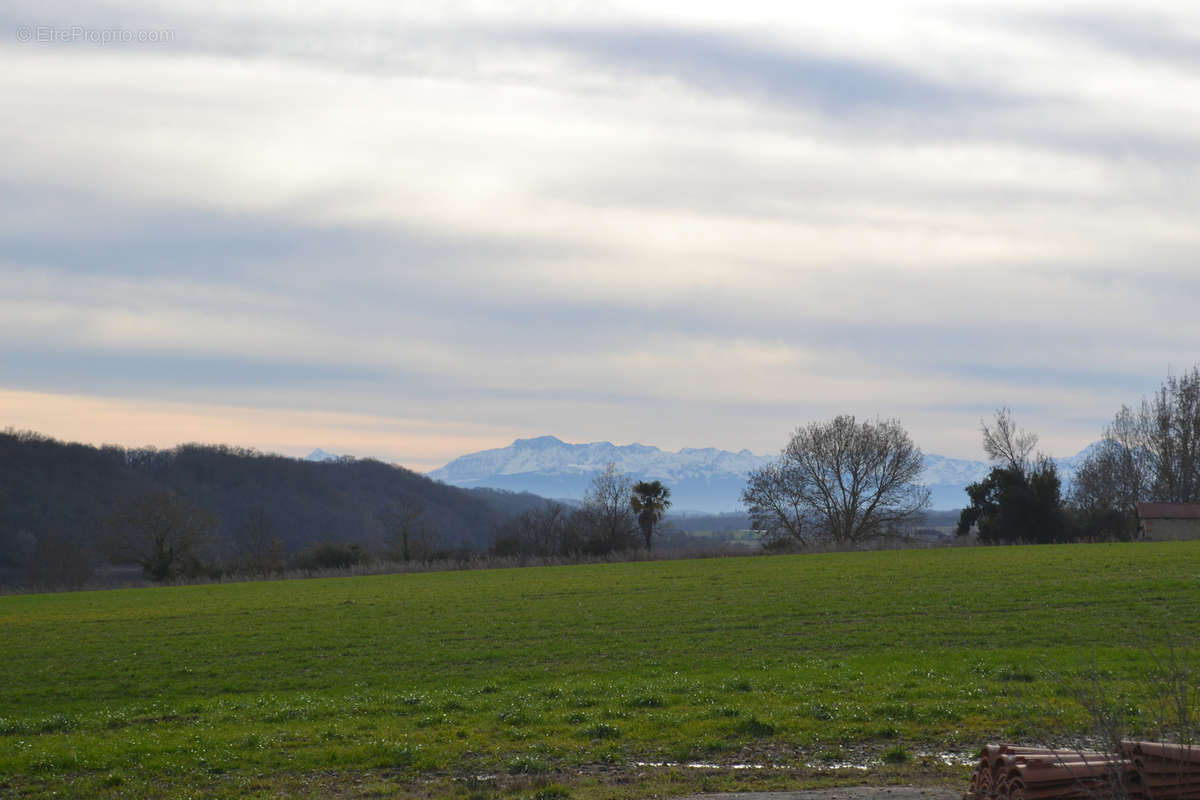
point(843, 793)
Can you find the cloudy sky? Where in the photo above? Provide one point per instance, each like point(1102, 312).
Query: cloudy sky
point(413, 230)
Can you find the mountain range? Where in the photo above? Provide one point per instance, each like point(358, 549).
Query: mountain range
point(704, 480)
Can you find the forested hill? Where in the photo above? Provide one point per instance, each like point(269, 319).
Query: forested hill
point(71, 491)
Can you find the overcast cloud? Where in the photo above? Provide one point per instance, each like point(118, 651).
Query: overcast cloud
point(410, 231)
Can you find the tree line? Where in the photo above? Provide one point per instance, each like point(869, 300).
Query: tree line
point(204, 511)
point(66, 509)
point(1149, 453)
point(617, 515)
point(198, 510)
point(845, 483)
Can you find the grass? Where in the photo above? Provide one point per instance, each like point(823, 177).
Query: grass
point(561, 681)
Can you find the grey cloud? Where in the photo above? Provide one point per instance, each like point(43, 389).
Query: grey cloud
point(368, 284)
point(859, 98)
point(1144, 35)
point(199, 243)
point(387, 281)
point(287, 380)
point(502, 317)
point(901, 105)
point(728, 63)
point(718, 62)
point(1107, 380)
point(161, 375)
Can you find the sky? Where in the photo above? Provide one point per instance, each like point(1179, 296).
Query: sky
point(414, 230)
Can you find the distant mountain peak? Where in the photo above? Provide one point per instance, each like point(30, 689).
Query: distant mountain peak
point(321, 455)
point(538, 442)
point(704, 479)
point(701, 479)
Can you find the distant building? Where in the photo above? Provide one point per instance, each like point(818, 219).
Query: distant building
point(1162, 521)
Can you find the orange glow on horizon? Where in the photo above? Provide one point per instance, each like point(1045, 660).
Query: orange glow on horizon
point(415, 444)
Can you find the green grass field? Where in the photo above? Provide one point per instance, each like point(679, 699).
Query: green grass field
point(566, 681)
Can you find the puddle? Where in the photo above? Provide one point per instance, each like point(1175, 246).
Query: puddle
point(947, 758)
point(705, 765)
point(953, 759)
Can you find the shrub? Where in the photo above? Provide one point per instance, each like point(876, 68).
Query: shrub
point(330, 555)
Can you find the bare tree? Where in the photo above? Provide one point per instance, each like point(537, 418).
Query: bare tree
point(1116, 474)
point(259, 549)
point(551, 530)
point(425, 540)
point(1151, 454)
point(542, 531)
point(606, 514)
point(1006, 442)
point(840, 481)
point(410, 533)
point(1170, 433)
point(163, 533)
point(1020, 499)
point(776, 508)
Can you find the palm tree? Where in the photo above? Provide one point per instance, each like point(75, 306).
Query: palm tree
point(650, 501)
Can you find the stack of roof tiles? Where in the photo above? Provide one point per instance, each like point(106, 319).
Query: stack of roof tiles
point(1166, 771)
point(1140, 771)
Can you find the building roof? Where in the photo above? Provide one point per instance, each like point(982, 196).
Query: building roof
point(1168, 510)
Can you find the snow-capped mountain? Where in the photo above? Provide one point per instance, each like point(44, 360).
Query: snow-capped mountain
point(700, 479)
point(321, 455)
point(550, 454)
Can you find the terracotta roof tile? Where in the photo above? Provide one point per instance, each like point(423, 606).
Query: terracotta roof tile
point(1169, 510)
